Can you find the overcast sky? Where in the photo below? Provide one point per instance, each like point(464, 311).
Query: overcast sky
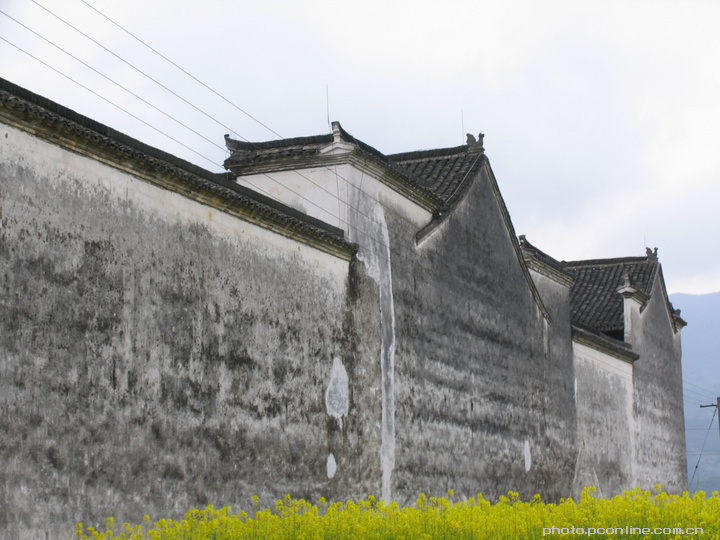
point(601, 119)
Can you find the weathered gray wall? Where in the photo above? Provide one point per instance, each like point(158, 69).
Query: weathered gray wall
point(605, 422)
point(474, 395)
point(660, 429)
point(157, 355)
point(558, 393)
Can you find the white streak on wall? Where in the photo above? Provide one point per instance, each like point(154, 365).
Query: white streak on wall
point(331, 466)
point(630, 415)
point(336, 395)
point(356, 196)
point(387, 358)
point(367, 226)
point(527, 456)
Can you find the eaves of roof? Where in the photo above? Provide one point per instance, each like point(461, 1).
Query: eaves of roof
point(436, 179)
point(515, 243)
point(306, 152)
point(602, 343)
point(544, 264)
point(59, 125)
point(678, 322)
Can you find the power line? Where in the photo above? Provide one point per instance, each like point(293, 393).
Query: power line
point(200, 110)
point(180, 97)
point(696, 394)
point(174, 139)
point(249, 115)
point(107, 100)
point(181, 69)
point(340, 220)
point(113, 81)
point(378, 254)
point(135, 68)
point(694, 399)
point(707, 390)
point(222, 124)
point(689, 383)
point(703, 448)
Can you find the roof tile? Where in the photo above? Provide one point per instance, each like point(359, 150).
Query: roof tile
point(594, 300)
point(442, 171)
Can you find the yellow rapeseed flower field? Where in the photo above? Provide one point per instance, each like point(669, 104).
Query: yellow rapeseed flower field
point(635, 514)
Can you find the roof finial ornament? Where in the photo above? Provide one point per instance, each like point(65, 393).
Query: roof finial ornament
point(475, 144)
point(336, 132)
point(626, 280)
point(651, 255)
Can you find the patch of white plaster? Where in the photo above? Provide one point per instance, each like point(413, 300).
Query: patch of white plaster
point(368, 227)
point(337, 395)
point(575, 390)
point(331, 466)
point(526, 454)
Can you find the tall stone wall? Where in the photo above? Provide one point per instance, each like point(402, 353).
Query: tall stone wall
point(558, 394)
point(660, 430)
point(476, 398)
point(159, 352)
point(158, 355)
point(605, 422)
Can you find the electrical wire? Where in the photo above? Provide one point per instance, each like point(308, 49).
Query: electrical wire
point(149, 125)
point(338, 176)
point(200, 110)
point(181, 69)
point(382, 244)
point(688, 391)
point(378, 254)
point(106, 100)
point(340, 220)
point(114, 82)
point(169, 116)
point(238, 108)
point(703, 448)
point(706, 390)
point(692, 398)
point(133, 67)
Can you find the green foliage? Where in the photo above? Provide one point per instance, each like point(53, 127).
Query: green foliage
point(436, 518)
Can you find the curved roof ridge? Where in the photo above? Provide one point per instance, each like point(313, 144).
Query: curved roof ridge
point(426, 154)
point(347, 137)
point(235, 144)
point(609, 262)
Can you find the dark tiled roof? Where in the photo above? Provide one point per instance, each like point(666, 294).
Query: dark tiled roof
point(540, 261)
point(594, 300)
point(247, 152)
point(531, 249)
point(443, 171)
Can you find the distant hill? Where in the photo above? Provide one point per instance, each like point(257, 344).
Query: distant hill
point(701, 385)
point(708, 485)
